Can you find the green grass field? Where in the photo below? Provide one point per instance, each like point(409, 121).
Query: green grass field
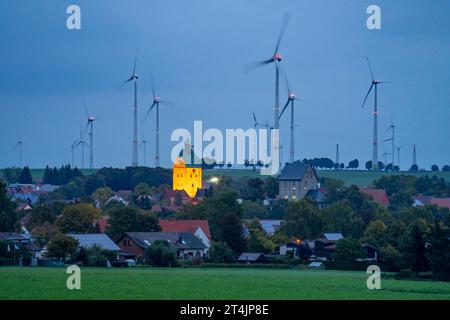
point(199, 283)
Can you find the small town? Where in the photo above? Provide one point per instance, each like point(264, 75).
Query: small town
point(224, 160)
point(177, 218)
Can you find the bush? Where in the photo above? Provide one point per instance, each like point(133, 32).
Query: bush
point(6, 261)
point(160, 254)
point(94, 256)
point(220, 252)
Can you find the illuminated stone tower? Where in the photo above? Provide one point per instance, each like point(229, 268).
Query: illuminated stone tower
point(187, 178)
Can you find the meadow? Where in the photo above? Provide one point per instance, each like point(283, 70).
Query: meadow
point(361, 178)
point(204, 284)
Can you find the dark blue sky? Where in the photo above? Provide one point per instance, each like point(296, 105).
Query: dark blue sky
point(197, 50)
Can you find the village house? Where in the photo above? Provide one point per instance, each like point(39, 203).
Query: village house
point(185, 244)
point(250, 257)
point(377, 195)
point(87, 241)
point(199, 228)
point(296, 180)
point(325, 246)
point(18, 242)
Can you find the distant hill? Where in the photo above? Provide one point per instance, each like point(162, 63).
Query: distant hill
point(361, 178)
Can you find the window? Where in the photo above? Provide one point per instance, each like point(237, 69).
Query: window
point(129, 243)
point(124, 243)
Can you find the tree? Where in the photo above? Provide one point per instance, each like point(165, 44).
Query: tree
point(94, 256)
point(303, 220)
point(230, 231)
point(25, 176)
point(434, 168)
point(78, 218)
point(439, 252)
point(102, 194)
point(253, 190)
point(348, 249)
point(270, 187)
point(259, 242)
point(160, 254)
point(340, 217)
point(414, 168)
point(446, 168)
point(220, 252)
point(413, 246)
point(354, 164)
point(62, 246)
point(8, 216)
point(127, 219)
point(40, 215)
point(44, 233)
point(11, 175)
point(374, 233)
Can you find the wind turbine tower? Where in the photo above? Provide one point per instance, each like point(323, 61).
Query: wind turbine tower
point(374, 85)
point(143, 145)
point(19, 145)
point(276, 59)
point(134, 78)
point(156, 102)
point(337, 154)
point(90, 126)
point(290, 101)
point(414, 161)
point(392, 139)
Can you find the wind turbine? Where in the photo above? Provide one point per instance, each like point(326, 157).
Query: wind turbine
point(398, 155)
point(392, 139)
point(276, 58)
point(156, 102)
point(83, 145)
point(256, 124)
point(290, 100)
point(72, 148)
point(143, 144)
point(90, 125)
point(374, 84)
point(133, 78)
point(19, 145)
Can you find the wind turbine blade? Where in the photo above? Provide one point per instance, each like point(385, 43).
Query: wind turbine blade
point(254, 117)
point(367, 95)
point(282, 31)
point(284, 75)
point(285, 106)
point(167, 103)
point(252, 66)
point(86, 110)
point(152, 83)
point(135, 62)
point(370, 68)
point(148, 112)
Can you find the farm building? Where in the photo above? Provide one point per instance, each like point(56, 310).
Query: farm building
point(296, 180)
point(186, 245)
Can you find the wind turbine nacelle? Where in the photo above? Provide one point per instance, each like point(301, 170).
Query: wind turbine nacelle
point(292, 96)
point(277, 57)
point(157, 99)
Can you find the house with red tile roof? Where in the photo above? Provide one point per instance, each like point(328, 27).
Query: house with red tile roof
point(200, 228)
point(378, 195)
point(440, 202)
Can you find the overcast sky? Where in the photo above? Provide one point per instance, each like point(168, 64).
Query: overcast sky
point(197, 50)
